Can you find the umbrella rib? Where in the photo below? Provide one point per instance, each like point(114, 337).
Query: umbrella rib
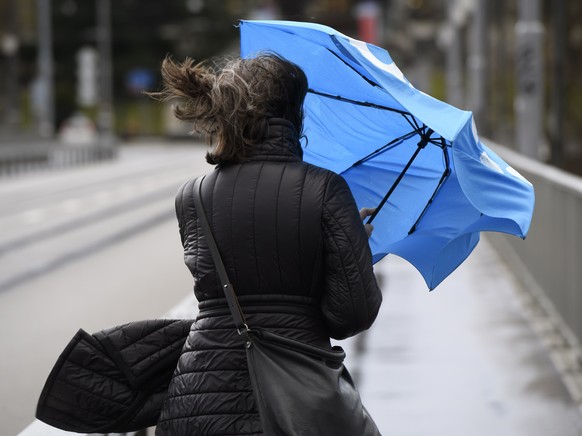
point(415, 125)
point(356, 102)
point(444, 176)
point(386, 147)
point(441, 144)
point(371, 82)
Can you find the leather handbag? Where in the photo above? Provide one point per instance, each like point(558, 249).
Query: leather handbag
point(300, 389)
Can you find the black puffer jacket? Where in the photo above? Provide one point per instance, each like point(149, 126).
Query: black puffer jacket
point(297, 255)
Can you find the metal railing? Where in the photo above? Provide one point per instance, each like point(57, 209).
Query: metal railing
point(16, 160)
point(549, 262)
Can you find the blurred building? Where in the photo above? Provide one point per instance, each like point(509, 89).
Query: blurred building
point(463, 51)
point(17, 32)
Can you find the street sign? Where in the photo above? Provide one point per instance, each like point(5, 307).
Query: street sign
point(138, 80)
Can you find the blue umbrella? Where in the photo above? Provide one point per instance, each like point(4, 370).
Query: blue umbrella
point(436, 186)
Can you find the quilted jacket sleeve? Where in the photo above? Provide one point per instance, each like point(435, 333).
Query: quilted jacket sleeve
point(184, 207)
point(351, 298)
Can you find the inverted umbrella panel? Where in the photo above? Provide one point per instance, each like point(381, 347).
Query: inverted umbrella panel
point(419, 160)
point(425, 134)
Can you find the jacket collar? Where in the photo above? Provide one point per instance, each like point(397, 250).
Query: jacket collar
point(281, 143)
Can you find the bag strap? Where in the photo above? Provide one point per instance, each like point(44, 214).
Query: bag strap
point(233, 304)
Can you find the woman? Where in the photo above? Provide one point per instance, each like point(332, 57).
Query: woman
point(289, 233)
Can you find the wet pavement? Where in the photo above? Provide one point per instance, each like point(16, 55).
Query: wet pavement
point(460, 360)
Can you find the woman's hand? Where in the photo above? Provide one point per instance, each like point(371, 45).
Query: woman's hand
point(364, 213)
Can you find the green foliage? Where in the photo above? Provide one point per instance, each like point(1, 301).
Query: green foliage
point(438, 86)
point(139, 117)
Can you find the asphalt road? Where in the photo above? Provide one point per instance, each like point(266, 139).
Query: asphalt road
point(85, 248)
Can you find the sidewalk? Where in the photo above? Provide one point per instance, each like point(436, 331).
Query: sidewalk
point(461, 360)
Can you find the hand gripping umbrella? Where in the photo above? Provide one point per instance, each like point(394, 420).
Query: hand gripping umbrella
point(415, 158)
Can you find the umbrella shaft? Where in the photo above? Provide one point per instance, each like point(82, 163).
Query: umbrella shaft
point(394, 185)
point(424, 138)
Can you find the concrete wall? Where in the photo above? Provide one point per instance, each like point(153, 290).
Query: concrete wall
point(549, 261)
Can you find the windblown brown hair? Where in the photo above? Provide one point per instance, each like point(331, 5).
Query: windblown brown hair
point(230, 106)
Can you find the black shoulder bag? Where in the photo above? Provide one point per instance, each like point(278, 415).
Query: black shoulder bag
point(300, 389)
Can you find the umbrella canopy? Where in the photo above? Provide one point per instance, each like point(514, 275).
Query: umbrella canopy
point(417, 159)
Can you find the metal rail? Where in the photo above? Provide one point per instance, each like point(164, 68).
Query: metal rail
point(15, 160)
point(549, 263)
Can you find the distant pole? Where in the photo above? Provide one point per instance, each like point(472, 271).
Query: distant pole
point(454, 56)
point(10, 45)
point(477, 64)
point(529, 101)
point(105, 115)
point(46, 108)
point(558, 90)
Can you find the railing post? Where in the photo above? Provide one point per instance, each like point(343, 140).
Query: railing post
point(529, 103)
